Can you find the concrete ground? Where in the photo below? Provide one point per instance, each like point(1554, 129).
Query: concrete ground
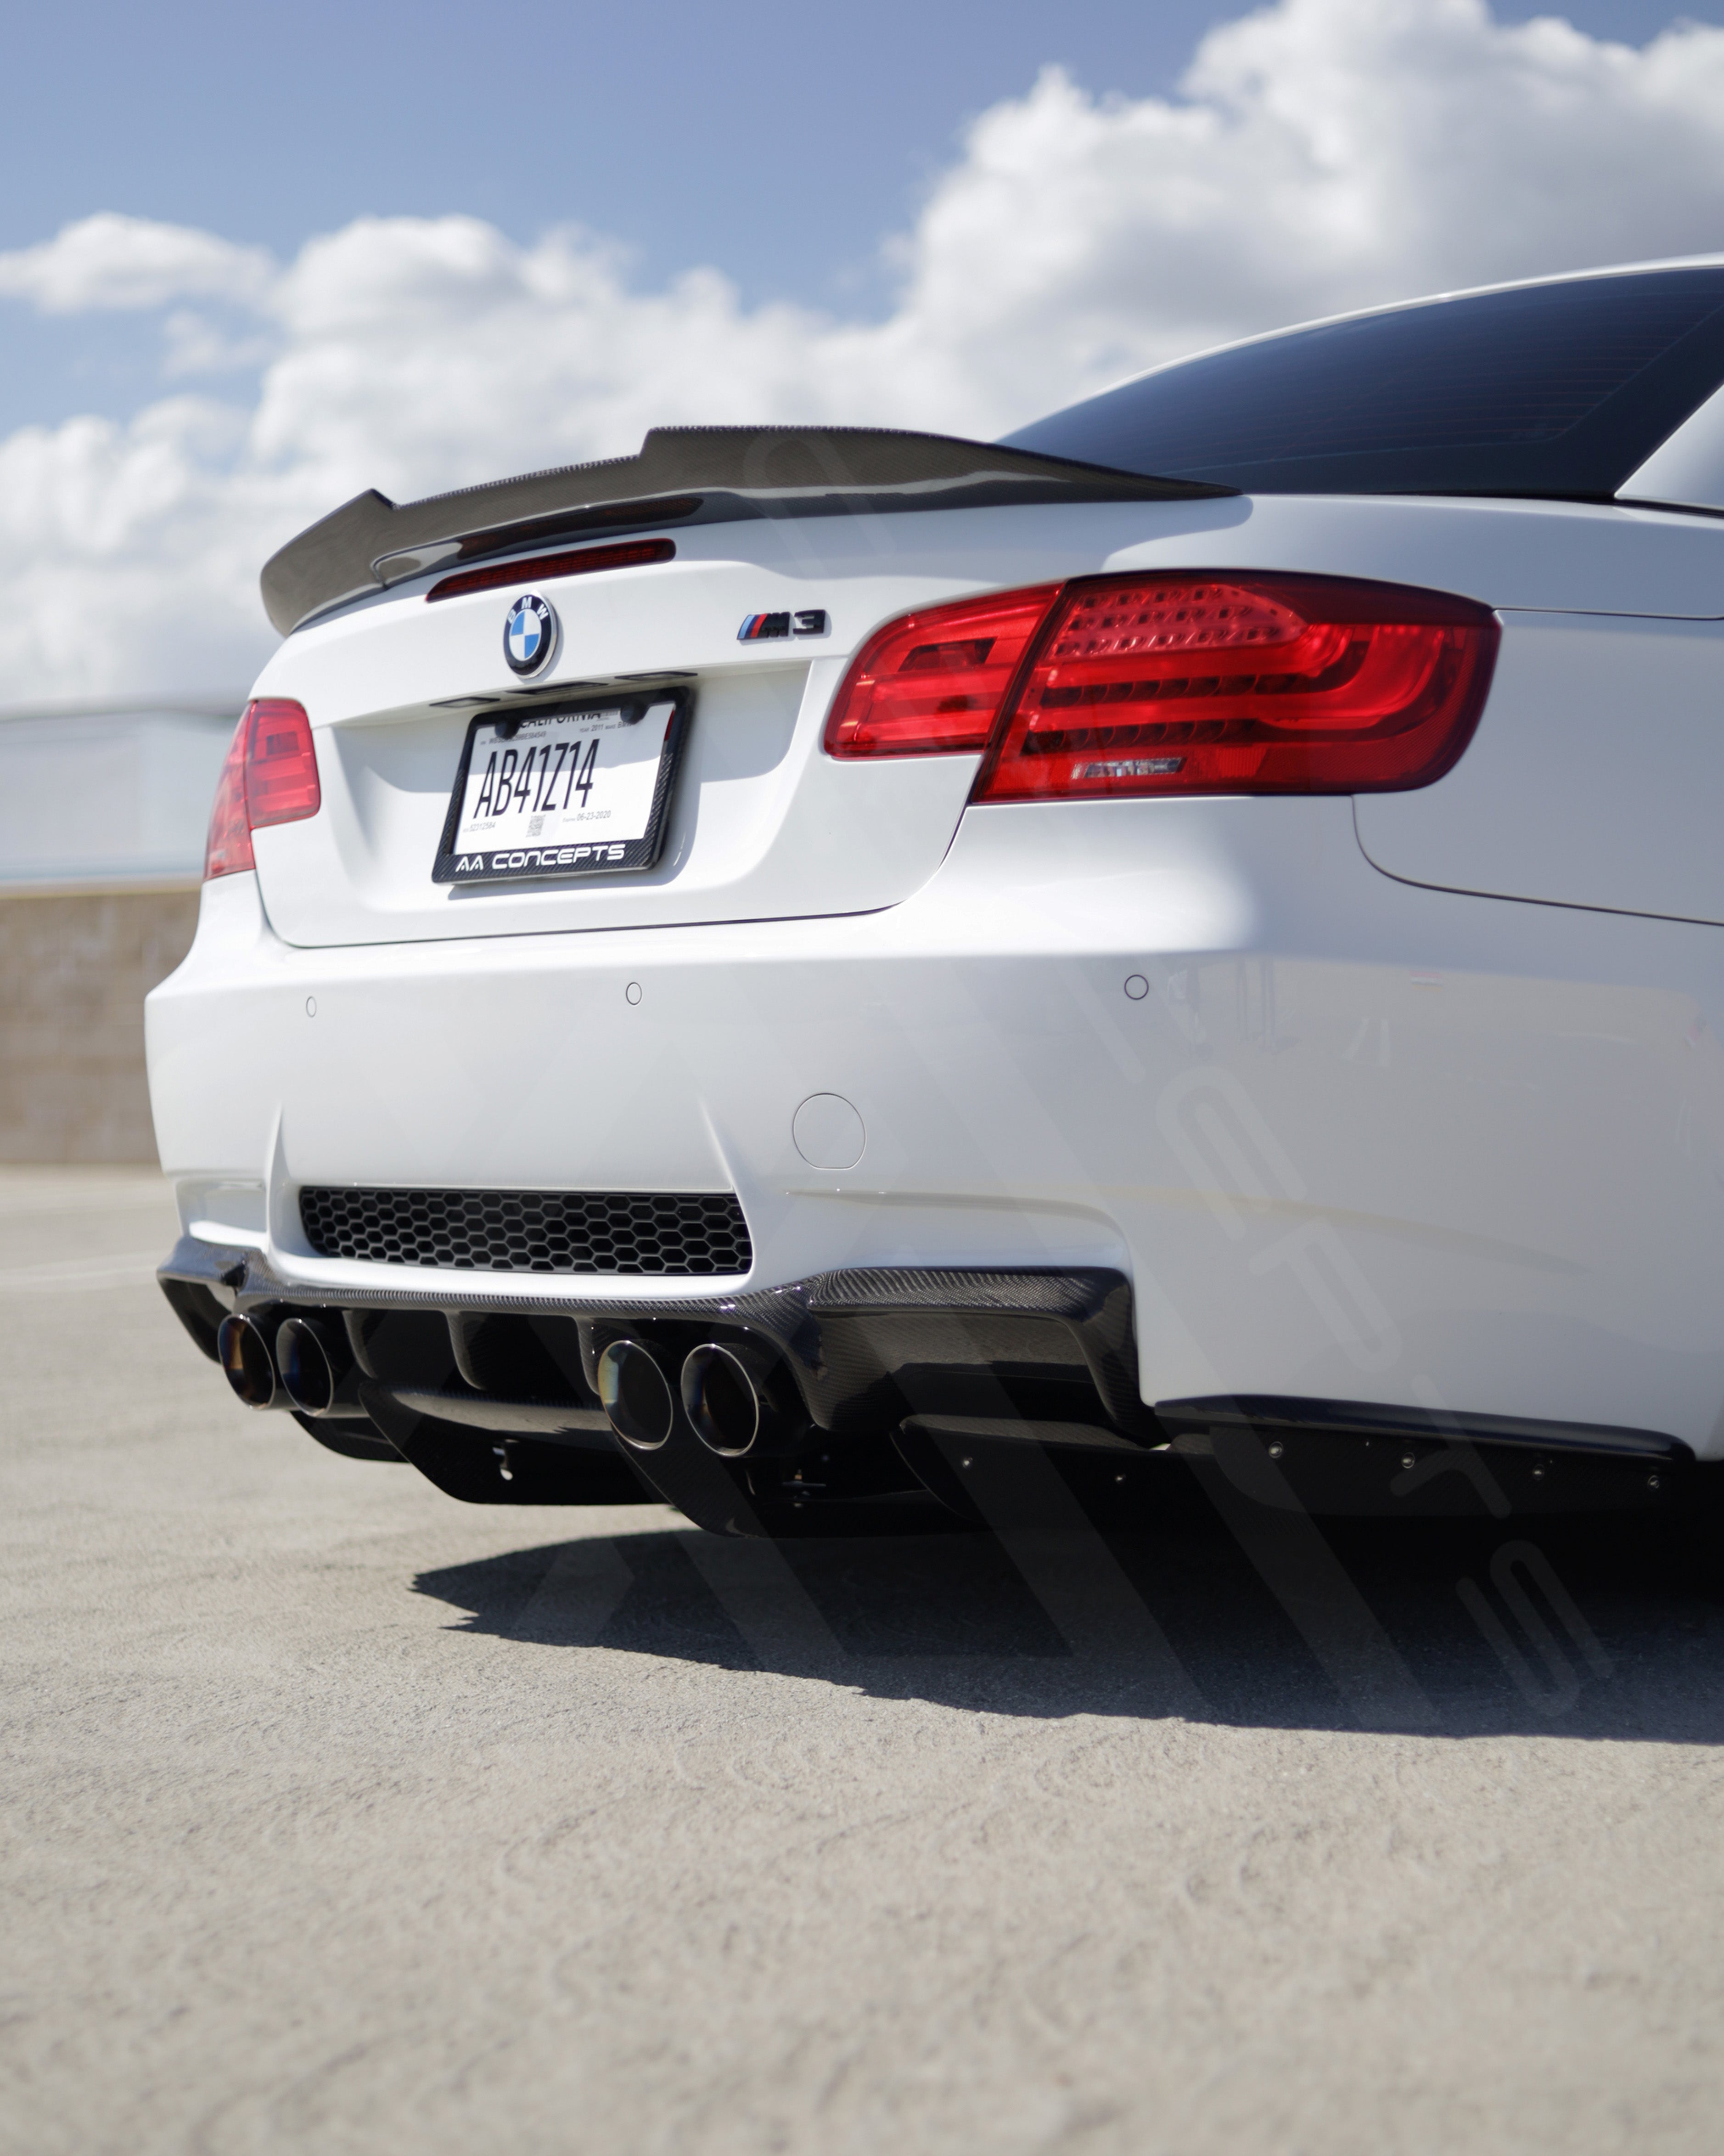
point(339, 1817)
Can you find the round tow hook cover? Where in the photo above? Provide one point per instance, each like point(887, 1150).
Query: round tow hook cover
point(828, 1132)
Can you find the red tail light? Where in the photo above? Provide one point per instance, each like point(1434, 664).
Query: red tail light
point(271, 777)
point(280, 764)
point(227, 849)
point(1243, 684)
point(1187, 684)
point(934, 681)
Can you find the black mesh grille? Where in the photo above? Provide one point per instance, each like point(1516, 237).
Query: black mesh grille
point(531, 1231)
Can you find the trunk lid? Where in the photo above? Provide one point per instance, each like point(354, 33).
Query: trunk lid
point(761, 823)
point(830, 526)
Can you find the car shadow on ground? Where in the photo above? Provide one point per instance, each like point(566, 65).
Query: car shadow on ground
point(1603, 1626)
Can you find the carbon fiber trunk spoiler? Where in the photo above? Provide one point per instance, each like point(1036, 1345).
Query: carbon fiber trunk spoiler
point(682, 475)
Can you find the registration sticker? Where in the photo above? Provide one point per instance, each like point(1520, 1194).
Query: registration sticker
point(576, 790)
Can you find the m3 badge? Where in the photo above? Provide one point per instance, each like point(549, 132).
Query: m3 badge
point(764, 627)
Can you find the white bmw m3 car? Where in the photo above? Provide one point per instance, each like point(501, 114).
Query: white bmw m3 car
point(791, 972)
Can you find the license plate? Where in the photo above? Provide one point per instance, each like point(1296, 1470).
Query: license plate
point(578, 790)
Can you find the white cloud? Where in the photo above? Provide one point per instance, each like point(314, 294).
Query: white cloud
point(129, 262)
point(1323, 154)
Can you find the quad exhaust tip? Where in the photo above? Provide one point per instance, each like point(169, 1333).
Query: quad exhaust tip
point(311, 1359)
point(725, 1398)
point(635, 1395)
point(250, 1367)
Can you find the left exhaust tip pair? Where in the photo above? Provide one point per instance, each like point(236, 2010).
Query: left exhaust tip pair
point(301, 1368)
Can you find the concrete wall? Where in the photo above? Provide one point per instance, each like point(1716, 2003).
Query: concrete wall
point(75, 968)
point(106, 796)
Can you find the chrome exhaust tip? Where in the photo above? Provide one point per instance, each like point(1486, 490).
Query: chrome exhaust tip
point(635, 1395)
point(725, 1398)
point(311, 1359)
point(243, 1351)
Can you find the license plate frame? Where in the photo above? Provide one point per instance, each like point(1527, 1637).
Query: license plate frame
point(557, 857)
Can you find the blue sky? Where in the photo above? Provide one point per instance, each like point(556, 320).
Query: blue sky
point(777, 141)
point(252, 261)
point(781, 143)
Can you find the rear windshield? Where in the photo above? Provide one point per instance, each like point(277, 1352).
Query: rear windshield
point(1549, 389)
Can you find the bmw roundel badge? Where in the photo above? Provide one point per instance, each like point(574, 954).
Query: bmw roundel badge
point(530, 634)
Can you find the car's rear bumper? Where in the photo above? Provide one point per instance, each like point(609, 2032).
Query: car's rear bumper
point(1347, 1139)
